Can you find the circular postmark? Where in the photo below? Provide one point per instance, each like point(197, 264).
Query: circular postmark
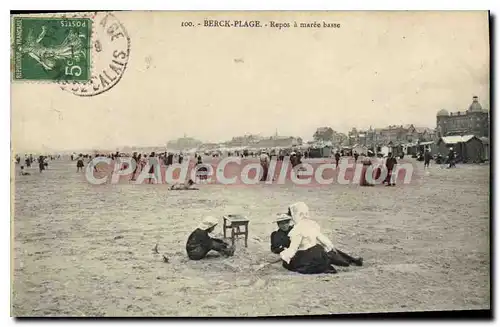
point(110, 54)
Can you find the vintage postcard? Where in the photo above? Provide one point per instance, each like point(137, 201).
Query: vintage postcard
point(246, 164)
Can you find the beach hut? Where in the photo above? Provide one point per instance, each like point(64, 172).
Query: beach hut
point(468, 148)
point(320, 149)
point(397, 150)
point(486, 147)
point(410, 149)
point(326, 149)
point(345, 150)
point(423, 146)
point(315, 152)
point(360, 149)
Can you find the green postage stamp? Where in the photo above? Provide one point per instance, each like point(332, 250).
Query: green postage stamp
point(52, 49)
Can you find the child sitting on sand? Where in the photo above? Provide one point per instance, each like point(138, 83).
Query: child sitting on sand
point(199, 243)
point(279, 238)
point(23, 173)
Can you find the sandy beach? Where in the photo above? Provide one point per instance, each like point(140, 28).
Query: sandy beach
point(86, 250)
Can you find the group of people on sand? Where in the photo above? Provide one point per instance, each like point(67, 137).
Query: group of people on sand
point(299, 242)
point(390, 164)
point(42, 165)
point(450, 159)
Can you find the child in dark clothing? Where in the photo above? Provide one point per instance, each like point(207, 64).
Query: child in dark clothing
point(279, 238)
point(200, 243)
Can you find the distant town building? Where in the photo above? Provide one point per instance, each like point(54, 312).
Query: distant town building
point(328, 134)
point(245, 140)
point(183, 143)
point(473, 121)
point(339, 138)
point(208, 146)
point(279, 141)
point(393, 134)
point(257, 141)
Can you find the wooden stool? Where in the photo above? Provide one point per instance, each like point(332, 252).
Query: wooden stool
point(234, 222)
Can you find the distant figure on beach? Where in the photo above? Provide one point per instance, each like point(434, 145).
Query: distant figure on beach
point(152, 160)
point(181, 158)
point(199, 243)
point(281, 155)
point(188, 186)
point(295, 159)
point(24, 173)
point(310, 251)
point(27, 161)
point(439, 159)
point(427, 158)
point(451, 158)
point(279, 238)
point(201, 171)
point(79, 163)
point(170, 159)
point(138, 166)
point(356, 155)
point(364, 181)
point(143, 161)
point(390, 163)
point(337, 159)
point(264, 162)
point(96, 170)
point(41, 165)
point(135, 161)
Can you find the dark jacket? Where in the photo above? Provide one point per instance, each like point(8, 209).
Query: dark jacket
point(198, 244)
point(390, 163)
point(427, 156)
point(170, 159)
point(279, 240)
point(135, 163)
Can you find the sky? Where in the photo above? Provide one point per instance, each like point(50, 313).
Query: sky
point(377, 69)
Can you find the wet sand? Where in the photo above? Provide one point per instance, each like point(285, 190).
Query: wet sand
point(84, 250)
